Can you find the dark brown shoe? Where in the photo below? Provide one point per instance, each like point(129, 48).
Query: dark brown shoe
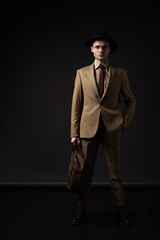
point(123, 219)
point(80, 217)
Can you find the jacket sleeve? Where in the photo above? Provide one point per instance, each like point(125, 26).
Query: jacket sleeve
point(77, 105)
point(129, 100)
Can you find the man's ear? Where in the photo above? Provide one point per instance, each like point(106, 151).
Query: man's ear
point(91, 48)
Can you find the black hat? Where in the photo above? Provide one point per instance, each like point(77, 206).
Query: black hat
point(102, 36)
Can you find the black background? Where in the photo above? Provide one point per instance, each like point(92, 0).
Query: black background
point(41, 48)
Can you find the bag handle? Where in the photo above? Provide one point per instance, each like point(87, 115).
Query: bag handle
point(77, 147)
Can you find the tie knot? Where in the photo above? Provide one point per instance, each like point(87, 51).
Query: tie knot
point(101, 66)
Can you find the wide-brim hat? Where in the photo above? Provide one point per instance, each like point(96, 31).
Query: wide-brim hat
point(102, 36)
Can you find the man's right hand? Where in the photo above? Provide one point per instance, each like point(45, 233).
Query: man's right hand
point(75, 140)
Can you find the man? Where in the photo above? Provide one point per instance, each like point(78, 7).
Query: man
point(97, 117)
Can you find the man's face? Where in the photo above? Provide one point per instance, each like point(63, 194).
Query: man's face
point(101, 50)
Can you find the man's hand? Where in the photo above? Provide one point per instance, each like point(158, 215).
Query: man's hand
point(75, 140)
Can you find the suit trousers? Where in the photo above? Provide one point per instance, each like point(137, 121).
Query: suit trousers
point(111, 147)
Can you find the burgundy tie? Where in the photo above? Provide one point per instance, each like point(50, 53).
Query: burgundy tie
point(101, 80)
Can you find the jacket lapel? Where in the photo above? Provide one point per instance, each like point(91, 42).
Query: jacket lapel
point(112, 72)
point(92, 80)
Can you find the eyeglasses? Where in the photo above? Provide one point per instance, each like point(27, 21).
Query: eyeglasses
point(97, 47)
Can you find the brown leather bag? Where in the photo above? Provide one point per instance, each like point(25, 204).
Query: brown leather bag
point(75, 169)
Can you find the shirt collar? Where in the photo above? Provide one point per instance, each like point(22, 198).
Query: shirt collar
point(105, 64)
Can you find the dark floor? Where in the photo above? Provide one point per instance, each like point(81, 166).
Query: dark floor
point(46, 213)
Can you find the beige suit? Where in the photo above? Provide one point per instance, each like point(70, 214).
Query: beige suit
point(87, 104)
point(100, 120)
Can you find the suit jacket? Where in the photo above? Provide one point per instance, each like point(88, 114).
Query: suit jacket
point(87, 104)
